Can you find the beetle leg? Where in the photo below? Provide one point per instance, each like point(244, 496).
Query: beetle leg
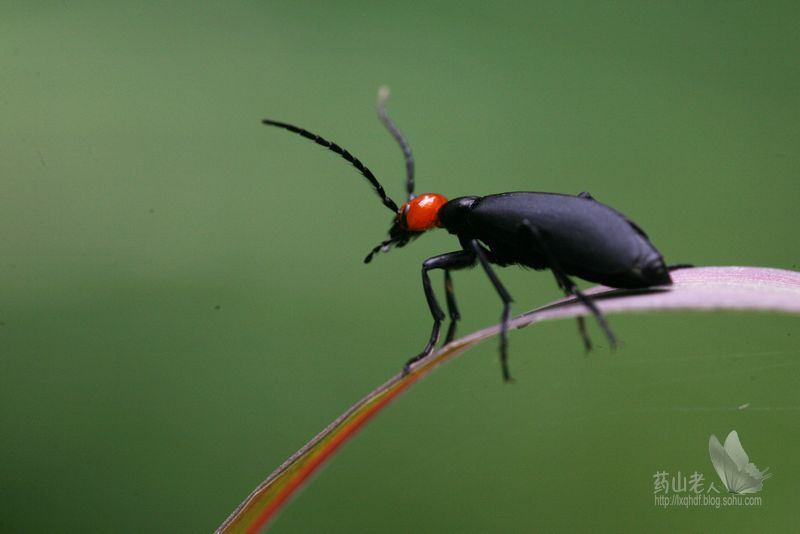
point(586, 194)
point(568, 285)
point(587, 343)
point(677, 266)
point(452, 308)
point(589, 303)
point(451, 260)
point(507, 300)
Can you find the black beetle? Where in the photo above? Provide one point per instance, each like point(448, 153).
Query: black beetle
point(569, 235)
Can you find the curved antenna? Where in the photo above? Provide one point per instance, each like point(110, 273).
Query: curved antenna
point(383, 95)
point(388, 202)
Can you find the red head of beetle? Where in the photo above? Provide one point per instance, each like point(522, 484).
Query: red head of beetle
point(421, 213)
point(415, 217)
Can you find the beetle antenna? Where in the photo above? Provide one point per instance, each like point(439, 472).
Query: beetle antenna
point(388, 202)
point(383, 95)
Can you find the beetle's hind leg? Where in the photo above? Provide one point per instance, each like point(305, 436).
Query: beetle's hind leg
point(569, 287)
point(589, 303)
point(587, 343)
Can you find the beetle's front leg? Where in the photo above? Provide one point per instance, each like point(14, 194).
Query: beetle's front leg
point(449, 261)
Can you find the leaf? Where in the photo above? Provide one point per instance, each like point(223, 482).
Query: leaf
point(700, 288)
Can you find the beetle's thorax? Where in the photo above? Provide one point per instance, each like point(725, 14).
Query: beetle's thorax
point(454, 215)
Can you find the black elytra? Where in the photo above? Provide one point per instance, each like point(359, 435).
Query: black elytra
point(568, 235)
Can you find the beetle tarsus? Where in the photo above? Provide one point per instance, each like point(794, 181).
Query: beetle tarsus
point(587, 343)
point(504, 323)
point(411, 362)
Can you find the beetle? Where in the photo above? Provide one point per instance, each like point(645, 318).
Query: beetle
point(570, 235)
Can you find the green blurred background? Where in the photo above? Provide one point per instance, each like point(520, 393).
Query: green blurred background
point(182, 298)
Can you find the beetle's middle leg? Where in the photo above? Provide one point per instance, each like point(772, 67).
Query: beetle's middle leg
point(480, 253)
point(569, 286)
point(449, 261)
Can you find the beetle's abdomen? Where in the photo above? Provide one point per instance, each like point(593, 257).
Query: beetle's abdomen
point(647, 272)
point(588, 239)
